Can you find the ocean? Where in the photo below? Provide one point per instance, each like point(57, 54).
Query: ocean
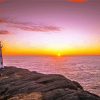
point(83, 69)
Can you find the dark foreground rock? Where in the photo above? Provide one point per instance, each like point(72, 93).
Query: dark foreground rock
point(21, 84)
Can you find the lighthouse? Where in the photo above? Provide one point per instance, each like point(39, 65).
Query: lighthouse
point(1, 58)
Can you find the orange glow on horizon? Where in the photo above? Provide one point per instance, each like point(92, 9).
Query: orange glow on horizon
point(79, 45)
point(51, 52)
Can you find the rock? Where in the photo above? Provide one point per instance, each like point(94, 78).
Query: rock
point(31, 96)
point(22, 84)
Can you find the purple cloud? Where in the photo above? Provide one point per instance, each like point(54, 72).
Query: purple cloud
point(37, 28)
point(30, 27)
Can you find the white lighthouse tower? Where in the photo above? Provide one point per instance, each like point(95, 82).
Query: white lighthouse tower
point(1, 58)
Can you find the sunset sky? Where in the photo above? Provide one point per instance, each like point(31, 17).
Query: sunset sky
point(50, 27)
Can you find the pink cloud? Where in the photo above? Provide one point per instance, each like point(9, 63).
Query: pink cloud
point(30, 27)
point(4, 32)
point(37, 28)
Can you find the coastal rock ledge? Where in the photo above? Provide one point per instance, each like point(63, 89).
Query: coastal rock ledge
point(22, 84)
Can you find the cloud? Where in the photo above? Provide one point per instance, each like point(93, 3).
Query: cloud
point(30, 27)
point(4, 32)
point(37, 28)
point(77, 1)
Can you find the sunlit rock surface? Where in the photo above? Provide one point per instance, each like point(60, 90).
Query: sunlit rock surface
point(21, 84)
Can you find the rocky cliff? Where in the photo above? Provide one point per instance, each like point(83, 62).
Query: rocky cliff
point(22, 84)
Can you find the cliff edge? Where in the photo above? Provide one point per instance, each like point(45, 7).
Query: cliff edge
point(22, 84)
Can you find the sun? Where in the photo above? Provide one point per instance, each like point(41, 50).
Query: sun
point(59, 54)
